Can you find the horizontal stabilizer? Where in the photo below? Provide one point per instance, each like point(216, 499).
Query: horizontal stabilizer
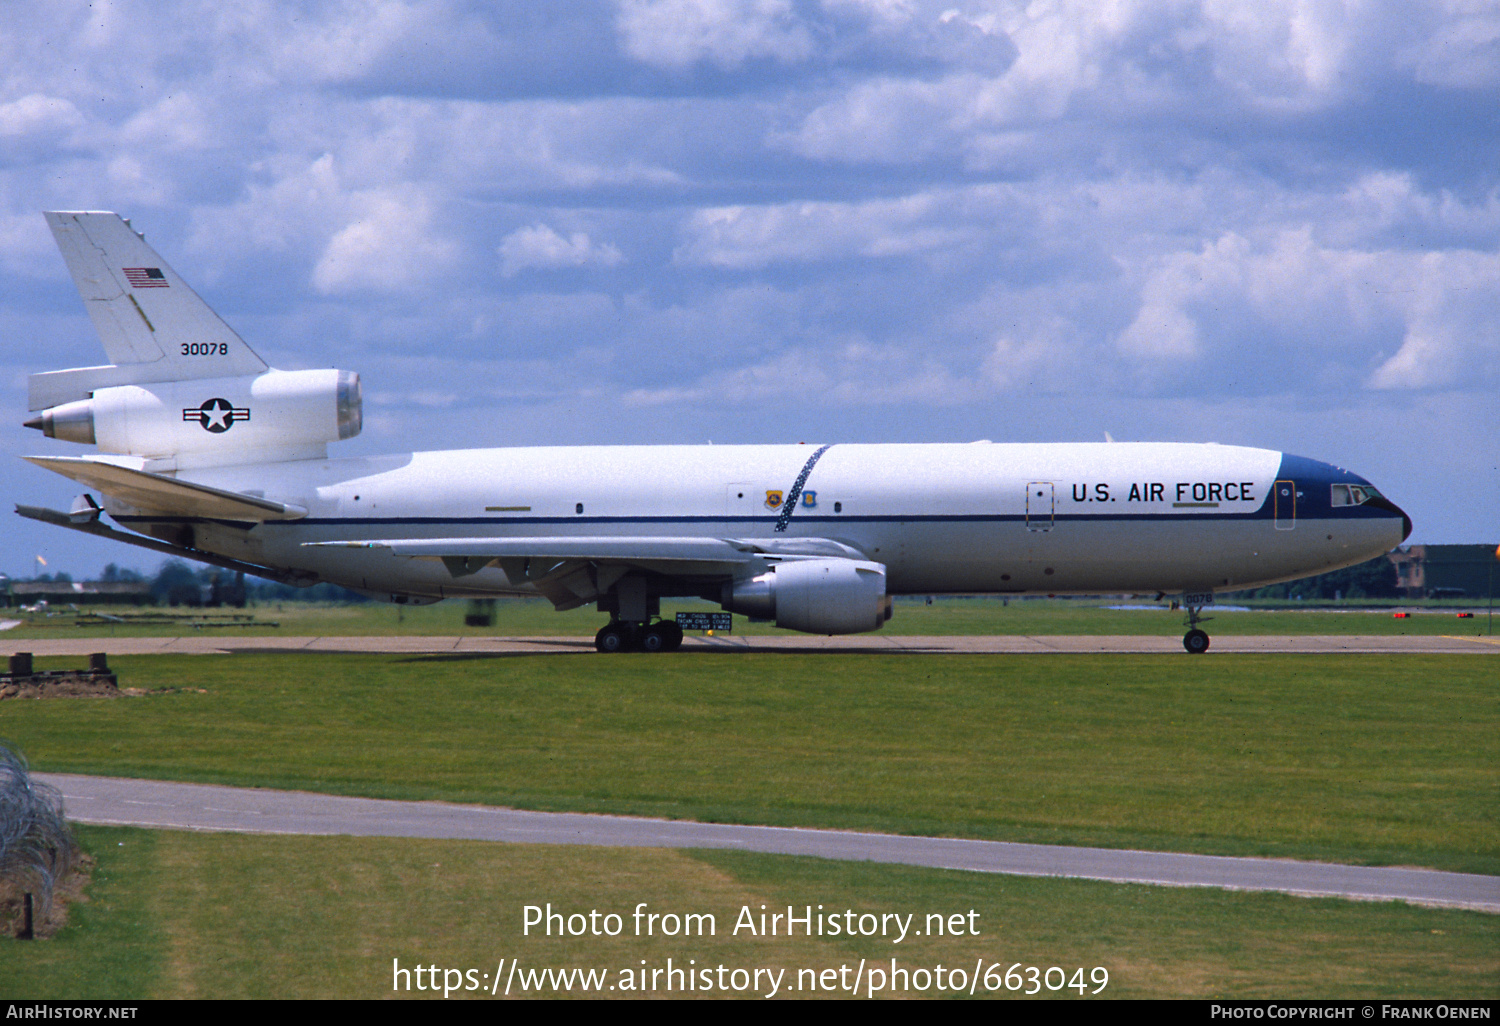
point(298, 578)
point(154, 493)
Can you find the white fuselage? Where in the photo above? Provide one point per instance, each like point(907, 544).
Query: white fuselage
point(943, 518)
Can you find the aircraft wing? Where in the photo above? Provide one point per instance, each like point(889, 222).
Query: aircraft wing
point(156, 493)
point(572, 570)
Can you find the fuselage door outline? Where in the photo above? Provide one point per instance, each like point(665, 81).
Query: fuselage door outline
point(1285, 500)
point(1040, 505)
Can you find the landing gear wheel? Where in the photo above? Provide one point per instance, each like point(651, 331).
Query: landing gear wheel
point(614, 637)
point(661, 637)
point(653, 639)
point(1195, 641)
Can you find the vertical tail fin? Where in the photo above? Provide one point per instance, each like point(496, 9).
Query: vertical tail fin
point(154, 327)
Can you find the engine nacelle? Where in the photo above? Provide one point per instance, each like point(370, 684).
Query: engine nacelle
point(278, 411)
point(819, 596)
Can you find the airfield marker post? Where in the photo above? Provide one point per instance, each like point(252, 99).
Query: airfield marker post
point(1491, 628)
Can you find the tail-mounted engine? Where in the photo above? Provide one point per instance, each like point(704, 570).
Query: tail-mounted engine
point(819, 596)
point(277, 414)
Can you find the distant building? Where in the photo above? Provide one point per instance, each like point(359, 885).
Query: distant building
point(1446, 571)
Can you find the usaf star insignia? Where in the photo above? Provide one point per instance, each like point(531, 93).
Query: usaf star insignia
point(216, 415)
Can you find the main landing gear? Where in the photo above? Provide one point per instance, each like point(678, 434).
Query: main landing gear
point(1195, 640)
point(625, 636)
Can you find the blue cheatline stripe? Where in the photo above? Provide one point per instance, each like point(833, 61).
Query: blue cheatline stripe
point(1345, 513)
point(796, 492)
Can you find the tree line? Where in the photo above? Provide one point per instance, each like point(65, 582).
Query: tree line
point(1375, 578)
point(177, 583)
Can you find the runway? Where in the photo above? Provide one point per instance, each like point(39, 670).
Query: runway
point(146, 803)
point(994, 644)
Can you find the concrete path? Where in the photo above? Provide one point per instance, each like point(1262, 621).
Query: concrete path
point(1004, 644)
point(201, 807)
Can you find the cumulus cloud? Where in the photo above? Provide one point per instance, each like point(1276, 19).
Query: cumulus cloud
point(1033, 361)
point(389, 246)
point(1459, 50)
point(479, 147)
point(727, 33)
point(1281, 52)
point(36, 113)
point(1312, 309)
point(1108, 65)
point(855, 374)
point(1451, 335)
point(450, 48)
point(743, 237)
point(539, 247)
point(172, 124)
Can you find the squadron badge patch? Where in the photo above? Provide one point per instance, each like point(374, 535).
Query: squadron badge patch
point(773, 498)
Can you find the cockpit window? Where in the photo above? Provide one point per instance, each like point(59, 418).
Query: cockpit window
point(1353, 495)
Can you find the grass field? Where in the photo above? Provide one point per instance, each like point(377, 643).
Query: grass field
point(184, 915)
point(1383, 760)
point(946, 616)
point(1361, 759)
point(1350, 758)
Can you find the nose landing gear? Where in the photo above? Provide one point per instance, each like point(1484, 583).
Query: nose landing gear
point(1195, 640)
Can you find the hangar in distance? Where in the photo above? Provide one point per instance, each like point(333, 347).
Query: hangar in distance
point(205, 452)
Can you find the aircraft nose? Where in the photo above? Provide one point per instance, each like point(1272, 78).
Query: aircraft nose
point(1321, 475)
point(1381, 502)
point(1405, 519)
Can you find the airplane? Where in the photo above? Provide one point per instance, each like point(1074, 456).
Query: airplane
point(207, 453)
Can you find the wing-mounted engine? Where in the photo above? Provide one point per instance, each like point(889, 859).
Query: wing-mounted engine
point(818, 596)
point(275, 415)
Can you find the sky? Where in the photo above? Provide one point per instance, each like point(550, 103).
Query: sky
point(676, 221)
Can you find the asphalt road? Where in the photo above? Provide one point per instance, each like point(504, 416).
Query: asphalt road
point(150, 803)
point(200, 644)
